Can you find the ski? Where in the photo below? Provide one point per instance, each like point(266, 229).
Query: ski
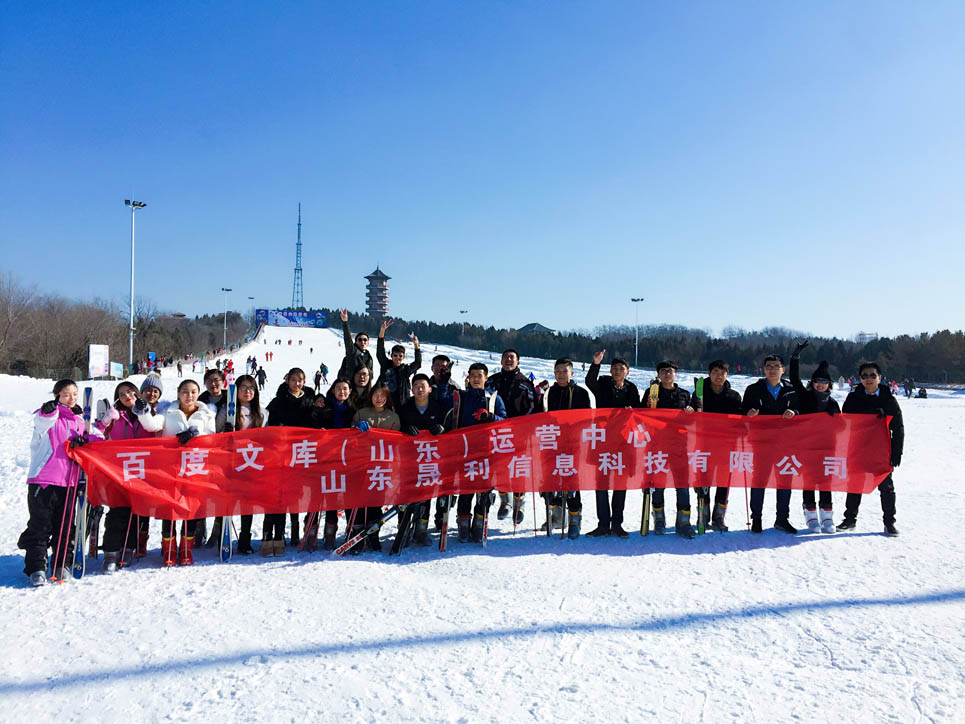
point(549, 516)
point(402, 534)
point(652, 396)
point(81, 500)
point(93, 530)
point(444, 530)
point(232, 415)
point(350, 543)
point(517, 505)
point(702, 492)
point(485, 530)
point(564, 518)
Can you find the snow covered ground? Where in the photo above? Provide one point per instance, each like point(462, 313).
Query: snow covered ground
point(846, 627)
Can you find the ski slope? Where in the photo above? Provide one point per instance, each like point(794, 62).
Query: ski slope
point(846, 627)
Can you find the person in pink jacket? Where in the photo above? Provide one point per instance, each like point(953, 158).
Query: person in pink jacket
point(129, 418)
point(52, 484)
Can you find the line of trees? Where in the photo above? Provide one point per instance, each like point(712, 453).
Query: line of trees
point(46, 335)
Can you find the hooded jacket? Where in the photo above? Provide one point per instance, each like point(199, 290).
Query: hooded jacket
point(49, 464)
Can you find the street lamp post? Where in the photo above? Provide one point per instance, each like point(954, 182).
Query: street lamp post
point(463, 312)
point(636, 330)
point(224, 340)
point(135, 205)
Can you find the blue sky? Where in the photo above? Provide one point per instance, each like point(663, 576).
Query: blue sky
point(765, 163)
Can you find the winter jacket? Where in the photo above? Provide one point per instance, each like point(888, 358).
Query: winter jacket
point(607, 394)
point(334, 416)
point(571, 397)
point(676, 398)
point(219, 408)
point(810, 400)
point(516, 391)
point(289, 411)
point(397, 378)
point(176, 421)
point(727, 401)
point(435, 414)
point(861, 403)
point(467, 402)
point(758, 397)
point(130, 426)
point(354, 357)
point(442, 391)
point(385, 420)
point(49, 464)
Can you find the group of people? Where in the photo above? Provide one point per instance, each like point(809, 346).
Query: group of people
point(402, 398)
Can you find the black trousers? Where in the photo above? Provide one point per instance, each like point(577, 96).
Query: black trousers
point(607, 516)
point(574, 502)
point(464, 504)
point(783, 503)
point(121, 529)
point(887, 490)
point(824, 499)
point(51, 521)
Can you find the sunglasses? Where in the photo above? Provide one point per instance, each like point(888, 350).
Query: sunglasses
point(869, 376)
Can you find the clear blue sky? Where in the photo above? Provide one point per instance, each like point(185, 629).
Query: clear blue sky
point(765, 163)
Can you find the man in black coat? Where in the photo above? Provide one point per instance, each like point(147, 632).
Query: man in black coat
point(670, 396)
point(356, 353)
point(874, 398)
point(394, 372)
point(518, 394)
point(565, 394)
point(613, 391)
point(721, 399)
point(770, 395)
point(421, 412)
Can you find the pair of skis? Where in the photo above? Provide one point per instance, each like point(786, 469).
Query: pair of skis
point(232, 415)
point(653, 395)
point(79, 566)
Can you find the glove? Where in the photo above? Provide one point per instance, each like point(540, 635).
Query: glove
point(437, 429)
point(363, 426)
point(831, 411)
point(880, 413)
point(411, 430)
point(895, 459)
point(140, 407)
point(48, 407)
point(184, 437)
point(229, 427)
point(482, 415)
point(110, 414)
point(78, 441)
point(797, 350)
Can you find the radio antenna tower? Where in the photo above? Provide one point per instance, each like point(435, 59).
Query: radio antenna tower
point(298, 298)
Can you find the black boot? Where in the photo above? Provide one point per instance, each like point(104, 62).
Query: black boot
point(890, 530)
point(785, 525)
point(756, 526)
point(848, 524)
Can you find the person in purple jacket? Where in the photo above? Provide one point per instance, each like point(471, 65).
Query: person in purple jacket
point(52, 484)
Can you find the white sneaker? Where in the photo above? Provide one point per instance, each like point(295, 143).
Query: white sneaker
point(827, 524)
point(811, 520)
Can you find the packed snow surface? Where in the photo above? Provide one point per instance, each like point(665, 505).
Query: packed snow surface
point(735, 627)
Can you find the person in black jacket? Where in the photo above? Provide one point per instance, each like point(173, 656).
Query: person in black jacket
point(613, 390)
point(421, 412)
point(874, 398)
point(291, 407)
point(356, 353)
point(816, 397)
point(394, 373)
point(565, 394)
point(518, 394)
point(670, 396)
point(770, 395)
point(719, 398)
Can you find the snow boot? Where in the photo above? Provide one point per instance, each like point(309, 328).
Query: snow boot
point(890, 530)
point(38, 578)
point(659, 521)
point(215, 538)
point(169, 551)
point(682, 527)
point(519, 503)
point(142, 537)
point(278, 548)
point(421, 535)
point(785, 525)
point(848, 524)
point(811, 520)
point(463, 527)
point(128, 558)
point(575, 519)
point(186, 551)
point(717, 517)
point(827, 523)
point(110, 562)
point(328, 539)
point(267, 548)
point(503, 511)
point(756, 526)
point(476, 532)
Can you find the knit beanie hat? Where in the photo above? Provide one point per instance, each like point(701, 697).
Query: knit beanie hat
point(822, 373)
point(152, 380)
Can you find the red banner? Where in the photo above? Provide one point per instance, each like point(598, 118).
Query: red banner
point(284, 469)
